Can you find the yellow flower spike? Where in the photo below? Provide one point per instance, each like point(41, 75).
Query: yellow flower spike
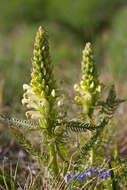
point(89, 87)
point(41, 60)
point(40, 94)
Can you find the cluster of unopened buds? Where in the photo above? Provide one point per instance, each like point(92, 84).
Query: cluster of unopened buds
point(102, 174)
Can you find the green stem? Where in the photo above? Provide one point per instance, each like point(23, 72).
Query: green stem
point(114, 183)
point(54, 158)
point(92, 149)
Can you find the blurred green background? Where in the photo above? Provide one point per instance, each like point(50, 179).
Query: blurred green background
point(70, 24)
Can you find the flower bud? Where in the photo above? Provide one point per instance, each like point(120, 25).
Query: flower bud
point(53, 93)
point(25, 86)
point(77, 99)
point(24, 101)
point(76, 87)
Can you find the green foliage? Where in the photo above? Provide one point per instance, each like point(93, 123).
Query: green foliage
point(27, 144)
point(14, 58)
point(43, 98)
point(15, 12)
point(83, 17)
point(21, 124)
point(111, 104)
point(77, 126)
point(93, 139)
point(116, 45)
point(87, 137)
point(8, 179)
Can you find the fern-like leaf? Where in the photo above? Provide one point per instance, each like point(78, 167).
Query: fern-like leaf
point(27, 145)
point(111, 104)
point(84, 149)
point(20, 124)
point(76, 126)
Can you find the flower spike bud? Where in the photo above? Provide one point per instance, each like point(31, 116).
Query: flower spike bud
point(42, 67)
point(90, 86)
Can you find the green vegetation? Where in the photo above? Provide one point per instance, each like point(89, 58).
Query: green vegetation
point(83, 17)
point(116, 46)
point(67, 130)
point(45, 104)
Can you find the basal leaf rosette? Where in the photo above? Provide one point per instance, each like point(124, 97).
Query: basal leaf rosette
point(89, 87)
point(40, 94)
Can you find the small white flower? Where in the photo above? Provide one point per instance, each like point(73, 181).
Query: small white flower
point(26, 86)
point(33, 114)
point(24, 101)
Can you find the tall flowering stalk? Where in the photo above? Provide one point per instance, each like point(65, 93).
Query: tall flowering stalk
point(40, 95)
point(90, 87)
